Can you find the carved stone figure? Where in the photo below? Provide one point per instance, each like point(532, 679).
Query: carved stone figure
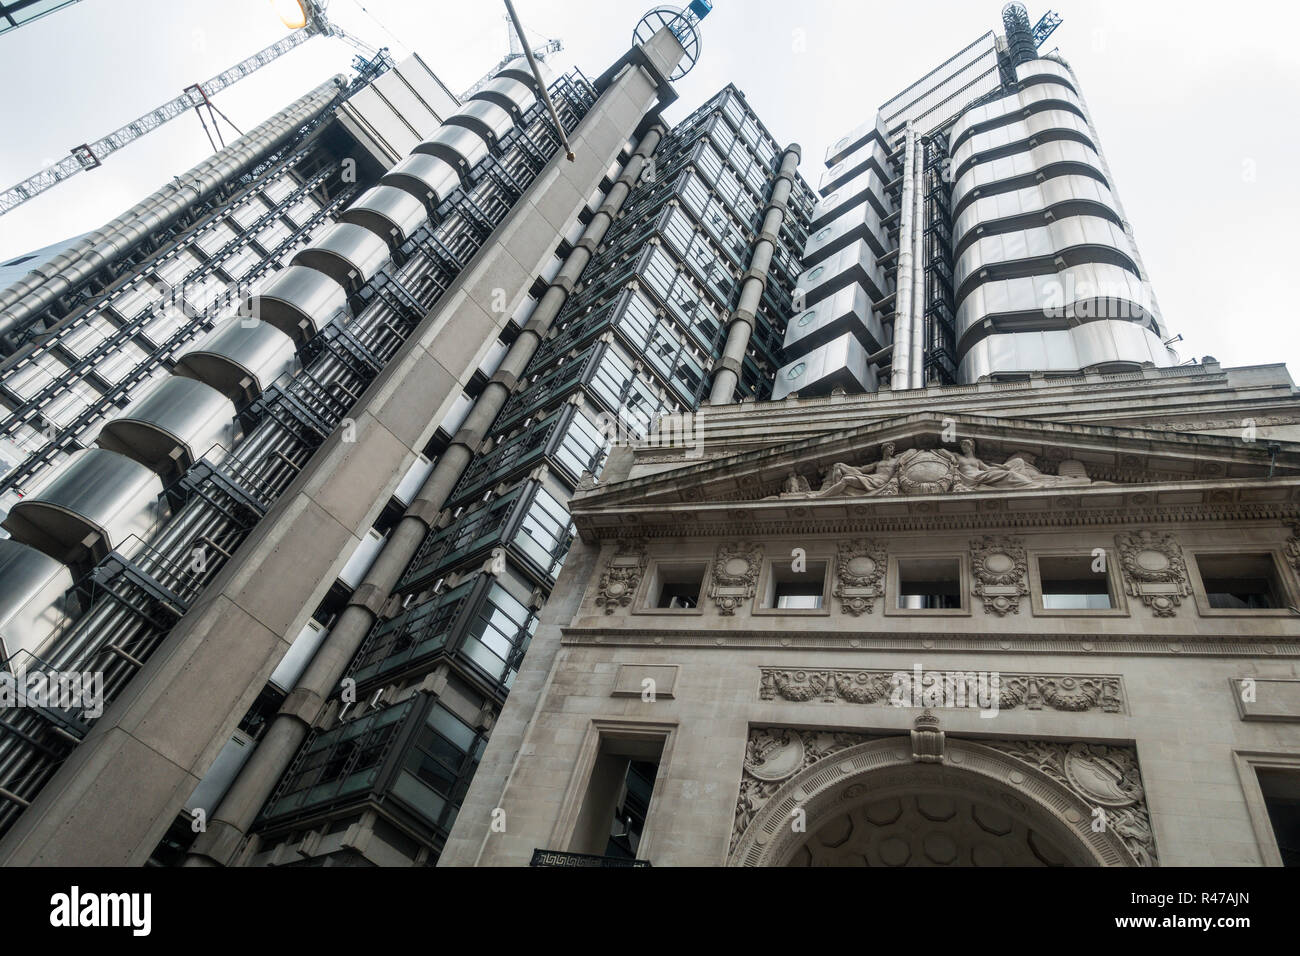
point(920, 471)
point(796, 484)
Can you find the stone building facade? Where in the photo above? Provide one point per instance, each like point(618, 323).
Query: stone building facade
point(1049, 622)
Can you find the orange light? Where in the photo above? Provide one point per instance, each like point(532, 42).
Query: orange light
point(292, 13)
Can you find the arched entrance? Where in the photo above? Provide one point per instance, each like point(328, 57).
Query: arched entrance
point(875, 805)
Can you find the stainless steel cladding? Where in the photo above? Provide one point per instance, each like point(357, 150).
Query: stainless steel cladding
point(298, 301)
point(347, 253)
point(485, 118)
point(848, 310)
point(509, 94)
point(854, 263)
point(842, 362)
point(93, 505)
point(872, 155)
point(429, 179)
point(1105, 345)
point(860, 222)
point(39, 290)
point(387, 211)
point(32, 601)
point(240, 358)
point(865, 187)
point(173, 426)
point(518, 70)
point(464, 148)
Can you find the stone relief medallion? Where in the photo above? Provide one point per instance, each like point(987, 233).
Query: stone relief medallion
point(1066, 785)
point(859, 574)
point(735, 575)
point(926, 473)
point(999, 566)
point(622, 576)
point(1154, 570)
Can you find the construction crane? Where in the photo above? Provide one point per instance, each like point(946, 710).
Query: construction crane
point(1045, 27)
point(516, 53)
point(306, 18)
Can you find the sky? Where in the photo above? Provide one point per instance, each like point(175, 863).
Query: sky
point(1195, 109)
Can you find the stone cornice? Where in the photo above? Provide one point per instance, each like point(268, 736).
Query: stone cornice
point(931, 644)
point(1276, 499)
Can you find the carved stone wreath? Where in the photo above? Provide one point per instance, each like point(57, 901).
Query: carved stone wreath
point(1071, 693)
point(1154, 570)
point(622, 576)
point(999, 566)
point(859, 572)
point(735, 575)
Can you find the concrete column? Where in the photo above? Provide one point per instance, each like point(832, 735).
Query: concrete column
point(741, 324)
point(302, 708)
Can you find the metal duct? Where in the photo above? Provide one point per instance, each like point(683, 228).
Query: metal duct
point(900, 371)
point(916, 377)
point(36, 292)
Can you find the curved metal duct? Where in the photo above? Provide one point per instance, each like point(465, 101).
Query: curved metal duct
point(42, 287)
point(428, 178)
point(97, 501)
point(299, 301)
point(485, 118)
point(347, 253)
point(509, 94)
point(464, 148)
point(32, 600)
point(171, 428)
point(239, 360)
point(389, 212)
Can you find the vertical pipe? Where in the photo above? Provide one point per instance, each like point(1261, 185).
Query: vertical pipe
point(741, 323)
point(256, 781)
point(901, 368)
point(917, 374)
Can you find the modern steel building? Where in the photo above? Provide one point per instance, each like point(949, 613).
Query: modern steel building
point(993, 580)
point(974, 226)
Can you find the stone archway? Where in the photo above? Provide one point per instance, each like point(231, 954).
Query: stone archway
point(875, 804)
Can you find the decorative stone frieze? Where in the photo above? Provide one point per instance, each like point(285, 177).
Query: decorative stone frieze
point(622, 576)
point(859, 575)
point(999, 567)
point(735, 575)
point(1106, 777)
point(1154, 570)
point(1071, 693)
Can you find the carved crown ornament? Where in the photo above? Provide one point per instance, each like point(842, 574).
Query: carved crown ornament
point(1154, 570)
point(999, 566)
point(859, 575)
point(735, 575)
point(622, 575)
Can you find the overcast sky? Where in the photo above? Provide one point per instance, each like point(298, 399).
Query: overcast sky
point(1195, 107)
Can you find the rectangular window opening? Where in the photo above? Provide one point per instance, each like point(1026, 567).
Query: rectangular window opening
point(796, 590)
point(929, 584)
point(1240, 581)
point(1070, 583)
point(677, 586)
point(1281, 789)
point(617, 802)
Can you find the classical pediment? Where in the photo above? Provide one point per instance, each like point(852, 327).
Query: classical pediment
point(941, 464)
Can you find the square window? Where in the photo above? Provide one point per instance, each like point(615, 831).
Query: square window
point(1071, 583)
point(1241, 582)
point(795, 590)
point(929, 584)
point(676, 586)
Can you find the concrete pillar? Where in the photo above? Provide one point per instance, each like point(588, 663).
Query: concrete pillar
point(302, 708)
point(741, 324)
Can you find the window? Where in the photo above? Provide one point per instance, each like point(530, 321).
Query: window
point(1241, 582)
point(1281, 791)
point(677, 586)
point(796, 590)
point(929, 584)
point(614, 805)
point(1070, 583)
